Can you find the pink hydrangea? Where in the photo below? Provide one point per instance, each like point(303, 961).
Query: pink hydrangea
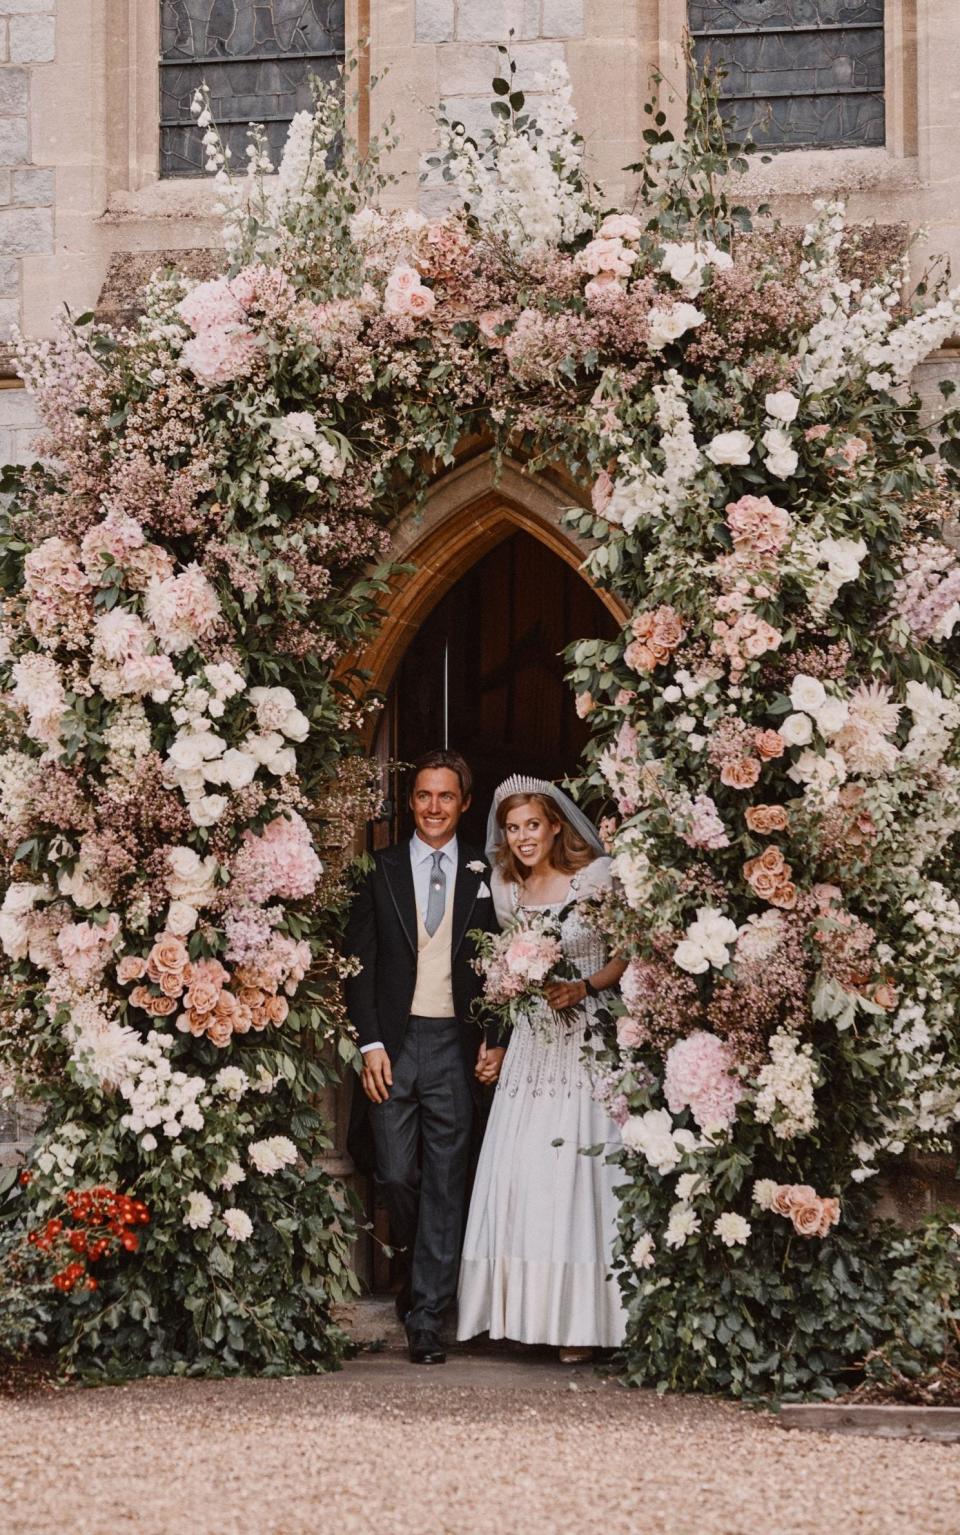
point(698, 1077)
point(220, 353)
point(182, 609)
point(702, 824)
point(756, 525)
point(280, 862)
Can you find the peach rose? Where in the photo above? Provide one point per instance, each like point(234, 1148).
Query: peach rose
point(742, 774)
point(667, 629)
point(276, 1009)
point(629, 1033)
point(219, 1032)
point(161, 1007)
point(826, 897)
point(781, 1202)
point(831, 1215)
point(766, 819)
point(169, 954)
point(785, 896)
point(764, 884)
point(170, 984)
point(210, 970)
point(258, 1019)
point(250, 996)
point(584, 705)
point(226, 1007)
point(640, 657)
point(807, 1217)
point(242, 1019)
point(773, 861)
point(140, 996)
point(196, 1023)
point(769, 744)
point(202, 996)
point(131, 968)
point(487, 323)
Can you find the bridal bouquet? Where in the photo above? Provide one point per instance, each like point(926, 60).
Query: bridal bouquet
point(517, 963)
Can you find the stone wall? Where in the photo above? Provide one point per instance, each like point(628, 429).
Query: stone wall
point(27, 43)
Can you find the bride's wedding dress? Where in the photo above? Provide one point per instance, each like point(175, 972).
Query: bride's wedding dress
point(536, 1256)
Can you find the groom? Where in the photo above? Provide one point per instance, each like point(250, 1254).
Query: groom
point(424, 1055)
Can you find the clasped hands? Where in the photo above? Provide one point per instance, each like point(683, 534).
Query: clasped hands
point(376, 1078)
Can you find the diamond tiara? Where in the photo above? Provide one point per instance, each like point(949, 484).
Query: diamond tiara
point(518, 783)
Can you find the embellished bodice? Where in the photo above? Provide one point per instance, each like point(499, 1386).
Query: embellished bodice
point(543, 1058)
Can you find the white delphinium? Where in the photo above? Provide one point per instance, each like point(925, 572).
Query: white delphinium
point(199, 1211)
point(157, 1096)
point(732, 1229)
point(525, 186)
point(18, 784)
point(892, 361)
point(786, 1086)
point(640, 493)
point(239, 1225)
point(936, 720)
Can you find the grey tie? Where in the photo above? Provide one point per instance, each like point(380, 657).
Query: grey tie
point(437, 899)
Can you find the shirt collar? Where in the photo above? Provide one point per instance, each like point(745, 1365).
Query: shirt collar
point(422, 850)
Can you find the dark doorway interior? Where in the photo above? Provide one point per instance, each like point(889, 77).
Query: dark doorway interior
point(484, 674)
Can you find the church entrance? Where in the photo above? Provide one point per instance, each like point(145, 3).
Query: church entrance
point(484, 674)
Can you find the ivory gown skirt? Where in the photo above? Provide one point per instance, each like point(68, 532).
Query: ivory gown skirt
point(536, 1256)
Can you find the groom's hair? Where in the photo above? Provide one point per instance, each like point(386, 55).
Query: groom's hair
point(442, 758)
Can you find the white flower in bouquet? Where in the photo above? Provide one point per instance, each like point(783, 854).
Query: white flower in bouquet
point(685, 263)
point(691, 1184)
point(797, 730)
point(668, 325)
point(207, 809)
point(807, 693)
point(232, 1081)
point(732, 1229)
point(181, 918)
point(764, 1191)
point(782, 405)
point(641, 1254)
point(653, 1136)
point(235, 769)
point(239, 1225)
point(276, 709)
point(781, 457)
point(199, 1212)
point(233, 1175)
point(269, 1156)
point(729, 448)
point(191, 878)
point(682, 1224)
point(832, 716)
point(706, 943)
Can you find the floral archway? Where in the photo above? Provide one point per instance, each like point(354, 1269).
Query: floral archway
point(774, 744)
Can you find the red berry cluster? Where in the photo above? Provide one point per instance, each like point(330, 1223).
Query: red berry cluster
point(102, 1223)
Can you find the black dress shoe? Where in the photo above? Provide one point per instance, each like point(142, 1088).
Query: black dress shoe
point(425, 1347)
point(402, 1302)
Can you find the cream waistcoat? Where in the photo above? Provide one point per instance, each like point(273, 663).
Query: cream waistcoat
point(433, 997)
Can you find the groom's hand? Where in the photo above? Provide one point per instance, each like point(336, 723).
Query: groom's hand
point(489, 1061)
point(377, 1076)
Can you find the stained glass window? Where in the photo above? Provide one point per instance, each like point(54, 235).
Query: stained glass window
point(798, 72)
point(257, 57)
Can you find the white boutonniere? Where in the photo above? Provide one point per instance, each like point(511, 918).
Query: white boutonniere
point(477, 866)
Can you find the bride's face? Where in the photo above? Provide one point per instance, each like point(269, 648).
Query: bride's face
point(530, 835)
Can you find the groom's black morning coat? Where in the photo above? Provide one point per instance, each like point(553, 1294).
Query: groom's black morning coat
point(382, 934)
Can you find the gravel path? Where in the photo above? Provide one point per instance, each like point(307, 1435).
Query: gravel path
point(480, 1445)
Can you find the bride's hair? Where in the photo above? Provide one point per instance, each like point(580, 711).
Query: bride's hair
point(569, 853)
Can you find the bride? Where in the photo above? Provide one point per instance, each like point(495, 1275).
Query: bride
point(536, 1256)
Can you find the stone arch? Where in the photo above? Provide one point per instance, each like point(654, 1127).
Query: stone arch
point(468, 511)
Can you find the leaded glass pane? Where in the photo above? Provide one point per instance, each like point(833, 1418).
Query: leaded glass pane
point(798, 72)
point(256, 56)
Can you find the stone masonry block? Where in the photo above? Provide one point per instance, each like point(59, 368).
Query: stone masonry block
point(562, 18)
point(26, 7)
point(9, 275)
point(26, 231)
point(483, 21)
point(32, 39)
point(468, 68)
point(435, 21)
point(6, 188)
point(33, 188)
point(13, 92)
point(472, 111)
point(9, 317)
point(4, 42)
point(13, 141)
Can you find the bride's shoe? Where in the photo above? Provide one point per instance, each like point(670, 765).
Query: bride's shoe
point(576, 1356)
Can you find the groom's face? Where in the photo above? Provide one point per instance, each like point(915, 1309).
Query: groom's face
point(437, 803)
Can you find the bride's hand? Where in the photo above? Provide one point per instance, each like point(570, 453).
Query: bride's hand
point(562, 995)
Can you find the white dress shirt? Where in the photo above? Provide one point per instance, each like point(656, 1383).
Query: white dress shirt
point(421, 862)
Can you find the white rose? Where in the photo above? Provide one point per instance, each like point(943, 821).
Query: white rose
point(14, 936)
point(685, 265)
point(207, 810)
point(797, 729)
point(729, 448)
point(188, 753)
point(148, 1142)
point(781, 459)
point(235, 768)
point(832, 716)
point(807, 693)
point(282, 762)
point(181, 918)
point(667, 325)
point(263, 747)
point(672, 695)
point(295, 725)
point(690, 957)
point(20, 899)
point(782, 406)
point(843, 555)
